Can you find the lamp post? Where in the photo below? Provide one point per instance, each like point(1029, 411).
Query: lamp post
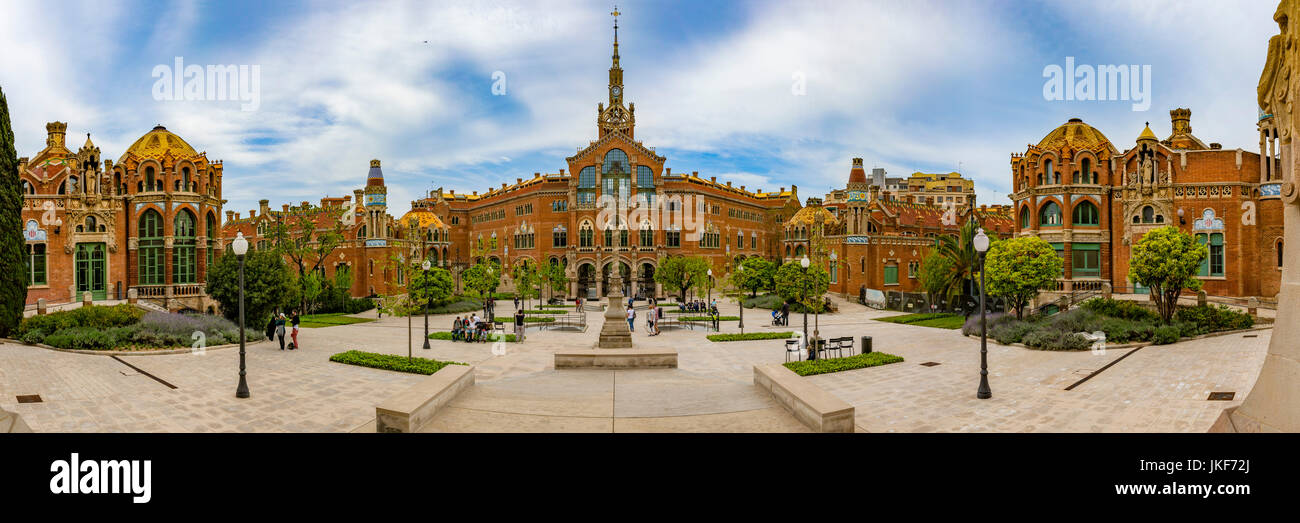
point(710, 285)
point(812, 351)
point(741, 299)
point(982, 247)
point(425, 266)
point(240, 246)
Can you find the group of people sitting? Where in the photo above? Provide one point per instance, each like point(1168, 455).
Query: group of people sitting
point(700, 306)
point(470, 328)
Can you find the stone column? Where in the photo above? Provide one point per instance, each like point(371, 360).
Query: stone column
point(41, 308)
point(1274, 404)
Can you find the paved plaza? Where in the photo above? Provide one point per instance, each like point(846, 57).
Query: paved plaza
point(1156, 388)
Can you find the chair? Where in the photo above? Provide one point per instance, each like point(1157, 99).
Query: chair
point(791, 345)
point(847, 343)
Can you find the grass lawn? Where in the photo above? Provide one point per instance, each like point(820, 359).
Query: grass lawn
point(941, 320)
point(312, 321)
point(391, 362)
point(825, 366)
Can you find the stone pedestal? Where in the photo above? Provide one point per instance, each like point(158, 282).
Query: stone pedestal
point(132, 295)
point(614, 334)
point(41, 308)
point(86, 299)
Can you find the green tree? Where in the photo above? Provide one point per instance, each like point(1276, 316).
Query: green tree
point(13, 280)
point(267, 283)
point(431, 287)
point(306, 244)
point(959, 252)
point(936, 275)
point(528, 281)
point(481, 278)
point(554, 277)
point(1017, 268)
point(1166, 261)
point(683, 273)
point(312, 287)
point(757, 275)
point(806, 287)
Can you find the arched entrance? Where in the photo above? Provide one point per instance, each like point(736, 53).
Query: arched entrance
point(587, 281)
point(646, 281)
point(606, 278)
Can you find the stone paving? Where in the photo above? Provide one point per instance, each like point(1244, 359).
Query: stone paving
point(1154, 389)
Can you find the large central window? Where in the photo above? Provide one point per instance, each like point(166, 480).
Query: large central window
point(183, 266)
point(150, 251)
point(616, 176)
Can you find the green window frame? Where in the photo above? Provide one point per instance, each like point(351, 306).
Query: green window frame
point(1213, 264)
point(1085, 213)
point(211, 228)
point(149, 249)
point(36, 265)
point(1049, 215)
point(891, 275)
point(1086, 259)
point(184, 266)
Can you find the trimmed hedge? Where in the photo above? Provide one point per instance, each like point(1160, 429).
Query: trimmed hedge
point(510, 338)
point(95, 316)
point(391, 362)
point(826, 366)
point(750, 336)
point(707, 318)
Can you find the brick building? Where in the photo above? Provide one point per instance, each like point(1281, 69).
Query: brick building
point(1091, 201)
point(868, 241)
point(147, 224)
point(614, 213)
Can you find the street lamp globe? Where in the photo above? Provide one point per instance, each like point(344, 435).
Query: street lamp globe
point(981, 241)
point(425, 265)
point(239, 245)
point(804, 262)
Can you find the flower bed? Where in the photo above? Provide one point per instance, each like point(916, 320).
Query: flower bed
point(825, 366)
point(1121, 321)
point(391, 362)
point(112, 328)
point(750, 336)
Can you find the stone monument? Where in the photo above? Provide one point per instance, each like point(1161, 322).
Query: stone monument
point(1274, 404)
point(615, 334)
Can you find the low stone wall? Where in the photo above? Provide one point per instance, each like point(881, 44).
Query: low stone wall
point(821, 411)
point(616, 359)
point(412, 408)
point(11, 422)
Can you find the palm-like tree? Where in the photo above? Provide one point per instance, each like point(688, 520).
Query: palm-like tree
point(959, 250)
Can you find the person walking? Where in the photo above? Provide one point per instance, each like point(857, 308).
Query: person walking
point(295, 321)
point(650, 320)
point(380, 308)
point(631, 319)
point(659, 315)
point(279, 329)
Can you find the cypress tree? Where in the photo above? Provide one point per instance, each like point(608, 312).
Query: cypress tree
point(13, 279)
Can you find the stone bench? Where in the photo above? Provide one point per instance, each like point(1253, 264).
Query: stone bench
point(412, 408)
point(821, 411)
point(616, 359)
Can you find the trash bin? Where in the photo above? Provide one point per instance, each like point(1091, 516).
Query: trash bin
point(866, 344)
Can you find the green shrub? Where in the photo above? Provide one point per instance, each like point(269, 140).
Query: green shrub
point(1009, 332)
point(825, 366)
point(1124, 309)
point(34, 336)
point(457, 305)
point(1187, 329)
point(391, 362)
point(95, 316)
point(1165, 334)
point(1214, 318)
point(81, 338)
point(750, 336)
point(510, 338)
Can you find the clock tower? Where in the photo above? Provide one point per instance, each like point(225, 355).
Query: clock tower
point(617, 117)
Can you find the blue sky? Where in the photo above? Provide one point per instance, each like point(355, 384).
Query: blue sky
point(906, 85)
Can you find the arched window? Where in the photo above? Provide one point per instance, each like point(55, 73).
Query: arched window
point(149, 179)
point(184, 268)
point(1049, 172)
point(585, 235)
point(150, 249)
point(1085, 213)
point(1024, 218)
point(185, 179)
point(91, 224)
point(1086, 175)
point(1148, 214)
point(210, 228)
point(587, 185)
point(1279, 254)
point(616, 176)
point(645, 185)
point(27, 188)
point(798, 251)
point(1049, 215)
point(647, 234)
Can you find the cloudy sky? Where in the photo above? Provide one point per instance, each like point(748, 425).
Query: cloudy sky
point(765, 94)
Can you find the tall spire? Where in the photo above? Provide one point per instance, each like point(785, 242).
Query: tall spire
point(615, 71)
point(616, 117)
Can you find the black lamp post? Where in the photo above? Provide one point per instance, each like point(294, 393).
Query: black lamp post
point(425, 266)
point(710, 286)
point(741, 300)
point(240, 246)
point(808, 344)
point(982, 247)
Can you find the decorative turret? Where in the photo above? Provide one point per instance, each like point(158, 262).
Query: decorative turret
point(857, 174)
